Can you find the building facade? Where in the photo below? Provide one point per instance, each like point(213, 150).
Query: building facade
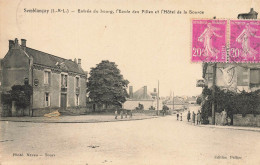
point(58, 83)
point(234, 76)
point(142, 97)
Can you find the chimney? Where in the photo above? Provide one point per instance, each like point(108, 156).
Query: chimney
point(79, 62)
point(154, 90)
point(131, 94)
point(145, 92)
point(75, 60)
point(23, 43)
point(11, 44)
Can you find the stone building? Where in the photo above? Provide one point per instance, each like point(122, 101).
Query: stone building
point(58, 83)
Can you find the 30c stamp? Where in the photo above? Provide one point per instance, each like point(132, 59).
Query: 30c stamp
point(209, 40)
point(244, 41)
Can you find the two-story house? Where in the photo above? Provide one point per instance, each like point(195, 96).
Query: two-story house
point(57, 83)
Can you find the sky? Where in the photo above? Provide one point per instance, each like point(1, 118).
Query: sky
point(146, 47)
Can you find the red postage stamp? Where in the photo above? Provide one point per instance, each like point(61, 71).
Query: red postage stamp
point(209, 41)
point(244, 41)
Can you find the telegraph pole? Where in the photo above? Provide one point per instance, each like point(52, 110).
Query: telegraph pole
point(172, 101)
point(158, 100)
point(213, 92)
point(214, 89)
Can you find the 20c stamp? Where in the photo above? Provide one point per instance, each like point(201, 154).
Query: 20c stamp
point(209, 40)
point(244, 41)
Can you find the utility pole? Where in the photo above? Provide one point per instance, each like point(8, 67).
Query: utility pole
point(213, 92)
point(158, 100)
point(214, 89)
point(172, 101)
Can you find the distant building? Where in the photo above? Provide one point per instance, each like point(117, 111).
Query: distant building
point(251, 15)
point(144, 97)
point(179, 103)
point(57, 83)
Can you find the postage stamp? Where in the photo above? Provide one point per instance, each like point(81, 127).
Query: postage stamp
point(209, 41)
point(244, 41)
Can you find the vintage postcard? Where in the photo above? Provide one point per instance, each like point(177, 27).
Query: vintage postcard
point(143, 82)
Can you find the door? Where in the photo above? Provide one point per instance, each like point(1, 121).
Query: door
point(63, 101)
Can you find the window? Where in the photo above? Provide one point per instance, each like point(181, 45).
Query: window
point(47, 77)
point(77, 82)
point(47, 99)
point(254, 77)
point(77, 99)
point(64, 80)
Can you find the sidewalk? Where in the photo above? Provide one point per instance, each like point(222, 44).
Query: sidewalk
point(75, 119)
point(255, 129)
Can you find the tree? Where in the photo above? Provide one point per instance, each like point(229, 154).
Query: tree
point(21, 94)
point(106, 86)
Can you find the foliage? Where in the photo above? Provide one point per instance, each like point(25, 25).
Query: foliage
point(106, 85)
point(234, 103)
point(165, 107)
point(199, 100)
point(6, 98)
point(152, 108)
point(140, 107)
point(20, 94)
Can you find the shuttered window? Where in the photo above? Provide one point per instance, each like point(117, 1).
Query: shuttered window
point(255, 76)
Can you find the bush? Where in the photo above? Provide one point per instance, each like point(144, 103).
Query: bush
point(21, 94)
point(234, 103)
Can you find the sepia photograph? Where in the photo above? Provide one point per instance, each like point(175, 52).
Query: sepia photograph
point(133, 82)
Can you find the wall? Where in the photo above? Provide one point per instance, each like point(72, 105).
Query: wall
point(71, 93)
point(39, 91)
point(83, 89)
point(38, 112)
point(15, 69)
point(248, 120)
point(238, 120)
point(132, 104)
point(1, 109)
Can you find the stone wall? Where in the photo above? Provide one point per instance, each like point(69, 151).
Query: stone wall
point(238, 120)
point(54, 90)
point(248, 120)
point(70, 111)
point(42, 111)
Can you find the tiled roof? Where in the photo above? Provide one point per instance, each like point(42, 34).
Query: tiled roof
point(139, 95)
point(49, 60)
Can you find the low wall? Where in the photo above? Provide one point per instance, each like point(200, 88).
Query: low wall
point(70, 111)
point(249, 120)
point(42, 111)
point(74, 111)
point(145, 112)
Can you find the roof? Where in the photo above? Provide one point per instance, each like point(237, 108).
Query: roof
point(177, 100)
point(49, 60)
point(141, 94)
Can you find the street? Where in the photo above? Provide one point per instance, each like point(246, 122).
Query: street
point(161, 140)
